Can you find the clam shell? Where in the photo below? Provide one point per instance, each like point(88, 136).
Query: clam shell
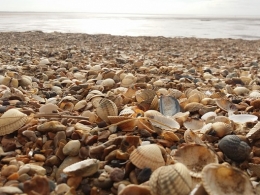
point(128, 80)
point(234, 148)
point(254, 133)
point(175, 93)
point(243, 118)
point(11, 121)
point(83, 168)
point(241, 91)
point(208, 115)
point(193, 124)
point(224, 179)
point(195, 157)
point(191, 137)
point(80, 105)
point(226, 105)
point(106, 108)
point(172, 179)
point(169, 105)
point(145, 95)
point(193, 107)
point(147, 156)
point(161, 121)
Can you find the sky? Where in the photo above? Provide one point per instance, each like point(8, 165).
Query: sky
point(200, 7)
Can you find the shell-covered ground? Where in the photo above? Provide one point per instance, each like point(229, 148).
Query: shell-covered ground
point(103, 114)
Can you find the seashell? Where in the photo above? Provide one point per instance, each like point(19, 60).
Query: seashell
point(170, 136)
point(168, 105)
point(218, 95)
point(208, 101)
point(172, 179)
point(68, 106)
point(197, 97)
point(128, 80)
point(245, 79)
point(145, 95)
point(254, 94)
point(181, 117)
point(106, 108)
point(108, 83)
point(225, 179)
point(126, 111)
point(193, 107)
point(9, 82)
point(241, 91)
point(133, 189)
point(80, 105)
point(254, 133)
point(141, 157)
point(193, 124)
point(11, 121)
point(255, 103)
point(208, 115)
point(226, 105)
point(53, 126)
point(223, 119)
point(243, 118)
point(48, 108)
point(95, 100)
point(25, 81)
point(195, 157)
point(220, 129)
point(175, 93)
point(83, 168)
point(161, 121)
point(92, 117)
point(191, 137)
point(234, 148)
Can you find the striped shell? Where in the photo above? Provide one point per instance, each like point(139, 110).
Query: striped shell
point(169, 105)
point(11, 121)
point(195, 157)
point(172, 179)
point(234, 148)
point(106, 108)
point(147, 156)
point(225, 179)
point(145, 95)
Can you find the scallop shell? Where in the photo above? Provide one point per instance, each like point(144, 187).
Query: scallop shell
point(83, 168)
point(106, 108)
point(224, 179)
point(226, 105)
point(145, 95)
point(243, 118)
point(195, 157)
point(11, 121)
point(169, 106)
point(147, 156)
point(172, 179)
point(161, 121)
point(254, 133)
point(234, 148)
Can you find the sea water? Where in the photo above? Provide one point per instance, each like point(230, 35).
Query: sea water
point(133, 24)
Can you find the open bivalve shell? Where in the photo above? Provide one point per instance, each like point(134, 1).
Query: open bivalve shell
point(83, 168)
point(147, 156)
point(195, 157)
point(172, 179)
point(224, 179)
point(243, 118)
point(169, 106)
point(226, 105)
point(11, 121)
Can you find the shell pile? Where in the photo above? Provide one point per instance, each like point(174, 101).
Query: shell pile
point(102, 114)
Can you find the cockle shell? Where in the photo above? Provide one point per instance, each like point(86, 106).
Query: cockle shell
point(225, 179)
point(147, 156)
point(145, 95)
point(175, 93)
point(169, 105)
point(106, 108)
point(83, 168)
point(234, 148)
point(11, 121)
point(128, 80)
point(195, 157)
point(171, 179)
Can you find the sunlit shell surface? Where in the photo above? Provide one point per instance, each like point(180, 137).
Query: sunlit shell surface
point(83, 168)
point(226, 105)
point(243, 118)
point(234, 148)
point(195, 157)
point(106, 108)
point(224, 179)
point(171, 180)
point(147, 156)
point(161, 121)
point(11, 121)
point(169, 105)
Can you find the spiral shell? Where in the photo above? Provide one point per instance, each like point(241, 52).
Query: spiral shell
point(11, 121)
point(147, 156)
point(224, 179)
point(106, 108)
point(195, 157)
point(172, 179)
point(234, 148)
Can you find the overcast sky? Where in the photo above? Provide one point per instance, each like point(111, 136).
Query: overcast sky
point(205, 7)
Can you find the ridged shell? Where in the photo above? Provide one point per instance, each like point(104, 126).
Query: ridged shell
point(223, 179)
point(234, 148)
point(168, 105)
point(11, 121)
point(175, 93)
point(83, 168)
point(226, 105)
point(106, 108)
point(171, 180)
point(161, 121)
point(193, 106)
point(195, 157)
point(147, 156)
point(128, 80)
point(243, 118)
point(254, 133)
point(145, 95)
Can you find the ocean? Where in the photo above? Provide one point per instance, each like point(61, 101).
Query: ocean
point(134, 24)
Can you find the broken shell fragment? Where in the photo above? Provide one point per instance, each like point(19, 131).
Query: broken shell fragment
point(83, 168)
point(11, 121)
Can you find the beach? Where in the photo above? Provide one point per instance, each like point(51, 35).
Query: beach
point(101, 100)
